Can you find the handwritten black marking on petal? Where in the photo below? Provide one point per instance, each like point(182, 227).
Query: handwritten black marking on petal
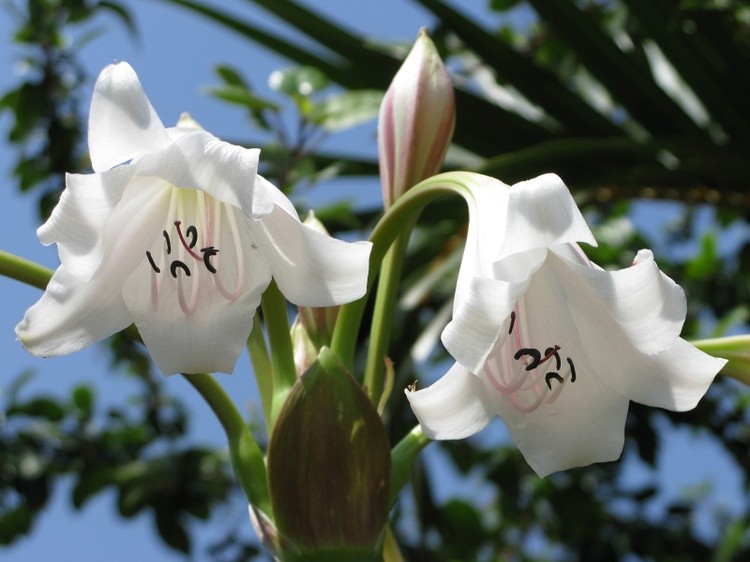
point(207, 254)
point(535, 353)
point(179, 264)
point(169, 243)
point(572, 370)
point(512, 321)
point(553, 352)
point(151, 261)
point(552, 375)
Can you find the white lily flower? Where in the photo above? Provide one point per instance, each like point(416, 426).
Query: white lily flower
point(551, 342)
point(175, 232)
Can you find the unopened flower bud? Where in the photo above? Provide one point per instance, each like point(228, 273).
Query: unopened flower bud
point(329, 468)
point(416, 120)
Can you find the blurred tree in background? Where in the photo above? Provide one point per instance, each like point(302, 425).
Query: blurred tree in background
point(628, 99)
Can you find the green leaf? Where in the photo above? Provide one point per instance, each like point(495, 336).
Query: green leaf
point(347, 109)
point(83, 399)
point(14, 523)
point(231, 76)
point(301, 81)
point(704, 265)
point(41, 407)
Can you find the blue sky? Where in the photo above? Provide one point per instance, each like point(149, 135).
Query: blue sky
point(174, 58)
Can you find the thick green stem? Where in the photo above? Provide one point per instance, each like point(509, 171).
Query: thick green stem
point(24, 270)
point(276, 319)
point(256, 347)
point(403, 456)
point(382, 320)
point(246, 456)
point(400, 217)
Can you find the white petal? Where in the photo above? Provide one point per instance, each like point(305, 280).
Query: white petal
point(478, 320)
point(454, 407)
point(488, 209)
point(198, 160)
point(122, 122)
point(311, 269)
point(542, 214)
point(675, 379)
point(586, 424)
point(71, 315)
point(77, 222)
point(648, 305)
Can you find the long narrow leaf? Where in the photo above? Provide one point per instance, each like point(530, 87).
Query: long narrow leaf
point(661, 21)
point(631, 84)
point(538, 85)
point(284, 48)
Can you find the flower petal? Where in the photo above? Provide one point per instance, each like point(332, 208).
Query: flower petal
point(542, 214)
point(122, 122)
point(198, 160)
point(71, 315)
point(586, 424)
point(311, 269)
point(478, 320)
point(488, 209)
point(454, 407)
point(199, 322)
point(648, 305)
point(674, 379)
point(77, 222)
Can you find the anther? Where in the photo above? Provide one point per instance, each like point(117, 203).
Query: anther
point(184, 243)
point(151, 261)
point(512, 321)
point(535, 353)
point(572, 370)
point(552, 352)
point(178, 264)
point(166, 239)
point(208, 253)
point(552, 375)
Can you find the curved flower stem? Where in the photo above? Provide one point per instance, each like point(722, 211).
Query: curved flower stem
point(24, 270)
point(400, 217)
point(256, 347)
point(403, 456)
point(276, 318)
point(245, 455)
point(382, 319)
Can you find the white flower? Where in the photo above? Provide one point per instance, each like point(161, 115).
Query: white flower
point(175, 232)
point(551, 342)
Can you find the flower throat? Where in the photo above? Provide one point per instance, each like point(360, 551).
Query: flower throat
point(528, 376)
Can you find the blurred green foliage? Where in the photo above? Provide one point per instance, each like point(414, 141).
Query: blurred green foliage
point(575, 87)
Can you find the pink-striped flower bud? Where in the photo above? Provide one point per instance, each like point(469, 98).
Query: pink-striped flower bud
point(416, 120)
